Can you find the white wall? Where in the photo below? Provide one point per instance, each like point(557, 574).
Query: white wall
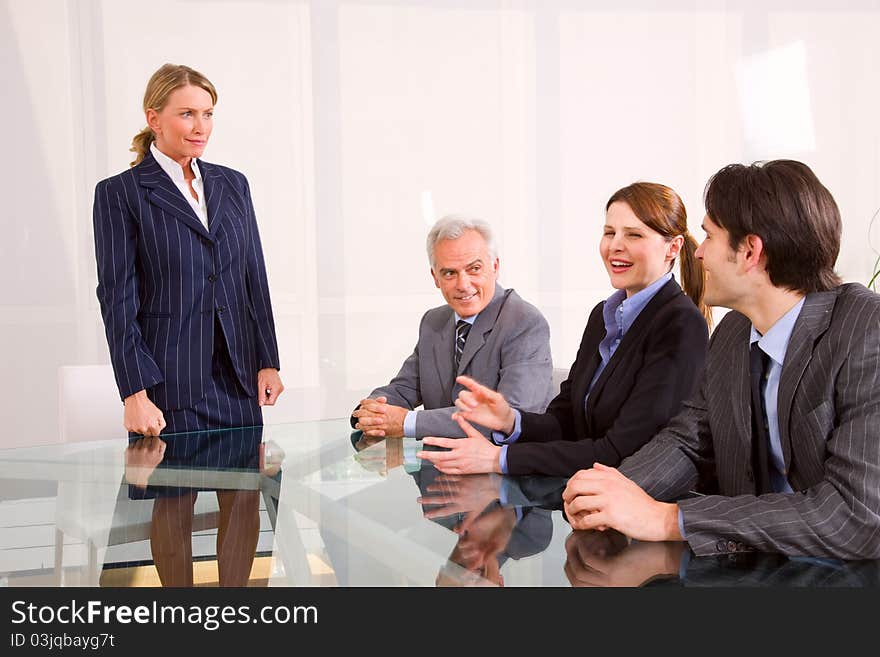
point(359, 122)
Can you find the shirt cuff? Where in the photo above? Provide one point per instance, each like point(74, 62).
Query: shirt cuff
point(499, 437)
point(504, 494)
point(683, 564)
point(409, 424)
point(502, 459)
point(681, 524)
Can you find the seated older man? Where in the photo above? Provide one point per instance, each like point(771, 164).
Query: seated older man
point(484, 331)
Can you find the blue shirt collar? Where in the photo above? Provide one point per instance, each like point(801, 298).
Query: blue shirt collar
point(470, 320)
point(774, 342)
point(630, 308)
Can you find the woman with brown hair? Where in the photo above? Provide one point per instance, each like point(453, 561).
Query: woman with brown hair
point(639, 358)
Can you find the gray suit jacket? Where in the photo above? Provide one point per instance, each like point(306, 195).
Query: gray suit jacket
point(507, 349)
point(829, 424)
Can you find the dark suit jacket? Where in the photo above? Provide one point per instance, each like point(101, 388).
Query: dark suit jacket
point(652, 371)
point(508, 349)
point(163, 278)
point(829, 426)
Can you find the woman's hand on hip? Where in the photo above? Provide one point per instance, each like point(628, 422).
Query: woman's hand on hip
point(269, 386)
point(143, 416)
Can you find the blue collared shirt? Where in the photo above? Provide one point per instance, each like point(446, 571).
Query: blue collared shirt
point(409, 421)
point(774, 343)
point(619, 314)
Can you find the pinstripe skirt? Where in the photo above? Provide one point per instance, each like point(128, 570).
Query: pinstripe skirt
point(228, 422)
point(225, 404)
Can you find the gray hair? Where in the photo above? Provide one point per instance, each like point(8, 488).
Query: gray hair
point(452, 226)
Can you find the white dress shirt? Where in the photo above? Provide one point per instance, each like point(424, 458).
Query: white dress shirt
point(175, 172)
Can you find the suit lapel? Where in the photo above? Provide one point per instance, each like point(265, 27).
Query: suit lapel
point(580, 379)
point(163, 193)
point(215, 193)
point(634, 335)
point(741, 389)
point(811, 323)
point(581, 382)
point(483, 325)
point(443, 346)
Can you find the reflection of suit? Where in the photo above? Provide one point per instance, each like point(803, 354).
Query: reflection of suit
point(165, 282)
point(507, 349)
point(644, 384)
point(533, 530)
point(203, 454)
point(774, 570)
point(829, 426)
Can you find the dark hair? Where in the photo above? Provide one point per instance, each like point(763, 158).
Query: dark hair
point(783, 203)
point(662, 210)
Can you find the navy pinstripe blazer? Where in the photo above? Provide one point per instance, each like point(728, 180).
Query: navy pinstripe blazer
point(163, 278)
point(829, 426)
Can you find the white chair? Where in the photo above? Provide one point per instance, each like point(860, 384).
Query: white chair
point(96, 510)
point(89, 405)
point(559, 375)
point(89, 409)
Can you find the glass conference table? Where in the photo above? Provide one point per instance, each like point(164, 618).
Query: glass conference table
point(315, 504)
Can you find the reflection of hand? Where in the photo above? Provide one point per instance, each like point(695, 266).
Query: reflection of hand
point(377, 418)
point(142, 416)
point(271, 457)
point(269, 386)
point(375, 460)
point(366, 441)
point(602, 497)
point(471, 454)
point(604, 559)
point(469, 495)
point(141, 458)
point(486, 535)
point(478, 548)
point(477, 403)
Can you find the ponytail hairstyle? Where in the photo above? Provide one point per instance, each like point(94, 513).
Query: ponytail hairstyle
point(662, 210)
point(168, 78)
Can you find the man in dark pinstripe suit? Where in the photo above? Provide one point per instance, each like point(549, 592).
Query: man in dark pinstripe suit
point(798, 471)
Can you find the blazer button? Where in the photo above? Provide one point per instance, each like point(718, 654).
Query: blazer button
point(731, 546)
point(721, 546)
point(212, 278)
point(220, 309)
point(749, 475)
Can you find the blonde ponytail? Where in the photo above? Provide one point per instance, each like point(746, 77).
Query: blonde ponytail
point(140, 145)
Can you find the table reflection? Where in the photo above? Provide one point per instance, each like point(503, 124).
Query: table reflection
point(175, 469)
point(609, 558)
point(353, 512)
point(495, 518)
point(490, 527)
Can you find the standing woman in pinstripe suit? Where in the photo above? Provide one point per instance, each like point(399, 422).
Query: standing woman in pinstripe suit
point(185, 302)
point(181, 278)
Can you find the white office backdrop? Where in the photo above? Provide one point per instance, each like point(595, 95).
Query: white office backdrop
point(359, 122)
